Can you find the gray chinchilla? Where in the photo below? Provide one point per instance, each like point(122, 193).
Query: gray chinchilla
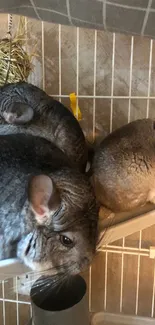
point(28, 109)
point(48, 212)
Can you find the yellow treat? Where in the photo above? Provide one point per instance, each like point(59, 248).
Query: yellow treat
point(74, 107)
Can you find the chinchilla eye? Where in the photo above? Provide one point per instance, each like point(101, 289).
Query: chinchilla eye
point(65, 241)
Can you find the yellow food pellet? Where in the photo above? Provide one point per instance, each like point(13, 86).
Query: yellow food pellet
point(74, 107)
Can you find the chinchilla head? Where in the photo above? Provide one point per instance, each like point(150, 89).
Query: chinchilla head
point(64, 215)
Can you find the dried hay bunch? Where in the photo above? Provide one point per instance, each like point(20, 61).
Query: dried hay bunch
point(15, 62)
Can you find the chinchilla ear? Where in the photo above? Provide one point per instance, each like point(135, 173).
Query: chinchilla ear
point(18, 113)
point(44, 197)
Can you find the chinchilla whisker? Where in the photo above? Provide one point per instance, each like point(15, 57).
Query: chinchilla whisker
point(47, 287)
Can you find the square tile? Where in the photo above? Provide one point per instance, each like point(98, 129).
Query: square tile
point(84, 24)
point(150, 26)
point(153, 4)
point(24, 11)
point(131, 3)
point(79, 10)
point(53, 17)
point(55, 5)
point(12, 3)
point(123, 19)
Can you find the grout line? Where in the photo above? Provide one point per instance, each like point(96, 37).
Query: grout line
point(125, 6)
point(104, 12)
point(35, 9)
point(146, 17)
point(68, 12)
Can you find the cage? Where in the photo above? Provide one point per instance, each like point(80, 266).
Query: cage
point(113, 78)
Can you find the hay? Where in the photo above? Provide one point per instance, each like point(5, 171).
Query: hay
point(15, 62)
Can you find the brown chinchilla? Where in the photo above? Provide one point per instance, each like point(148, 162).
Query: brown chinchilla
point(123, 169)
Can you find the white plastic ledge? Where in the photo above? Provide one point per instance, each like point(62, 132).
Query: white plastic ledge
point(12, 267)
point(119, 319)
point(125, 225)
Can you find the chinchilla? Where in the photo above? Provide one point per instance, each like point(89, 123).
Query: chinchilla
point(24, 108)
point(123, 168)
point(48, 212)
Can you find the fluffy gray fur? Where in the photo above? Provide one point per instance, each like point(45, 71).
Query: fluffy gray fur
point(38, 135)
point(30, 110)
point(39, 245)
point(124, 167)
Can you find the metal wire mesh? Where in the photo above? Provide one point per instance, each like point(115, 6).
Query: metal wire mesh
point(135, 248)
